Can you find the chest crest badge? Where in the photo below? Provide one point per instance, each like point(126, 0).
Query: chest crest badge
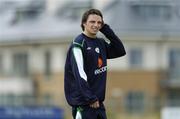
point(97, 50)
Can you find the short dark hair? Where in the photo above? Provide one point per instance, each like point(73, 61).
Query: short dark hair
point(89, 12)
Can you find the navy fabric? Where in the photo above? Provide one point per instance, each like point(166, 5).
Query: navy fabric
point(95, 52)
point(90, 113)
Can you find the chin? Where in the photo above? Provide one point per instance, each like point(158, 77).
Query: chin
point(94, 33)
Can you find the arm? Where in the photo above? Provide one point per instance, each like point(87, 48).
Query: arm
point(80, 75)
point(115, 48)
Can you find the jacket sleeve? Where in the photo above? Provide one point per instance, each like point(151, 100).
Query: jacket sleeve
point(80, 75)
point(115, 48)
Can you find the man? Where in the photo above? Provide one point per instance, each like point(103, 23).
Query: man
point(86, 67)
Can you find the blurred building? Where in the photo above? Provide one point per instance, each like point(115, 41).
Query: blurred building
point(34, 37)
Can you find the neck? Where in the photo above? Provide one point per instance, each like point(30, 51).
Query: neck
point(89, 35)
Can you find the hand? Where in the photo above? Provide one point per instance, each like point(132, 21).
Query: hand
point(95, 104)
point(104, 28)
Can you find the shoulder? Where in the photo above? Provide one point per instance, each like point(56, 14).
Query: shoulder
point(102, 40)
point(79, 41)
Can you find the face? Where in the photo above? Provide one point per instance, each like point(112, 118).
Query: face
point(92, 25)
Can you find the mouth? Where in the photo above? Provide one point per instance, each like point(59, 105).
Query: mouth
point(95, 29)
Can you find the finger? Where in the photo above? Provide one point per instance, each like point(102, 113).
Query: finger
point(91, 105)
point(96, 105)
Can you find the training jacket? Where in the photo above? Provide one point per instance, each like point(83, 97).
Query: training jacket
point(86, 67)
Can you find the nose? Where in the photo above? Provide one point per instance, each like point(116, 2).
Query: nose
point(96, 24)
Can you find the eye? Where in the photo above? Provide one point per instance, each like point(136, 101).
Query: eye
point(99, 22)
point(92, 21)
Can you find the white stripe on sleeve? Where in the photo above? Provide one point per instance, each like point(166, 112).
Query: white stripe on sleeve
point(78, 115)
point(79, 60)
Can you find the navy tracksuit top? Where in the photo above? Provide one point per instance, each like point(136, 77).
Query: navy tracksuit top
point(86, 67)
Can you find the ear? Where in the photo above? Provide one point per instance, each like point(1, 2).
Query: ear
point(84, 24)
point(102, 25)
point(102, 22)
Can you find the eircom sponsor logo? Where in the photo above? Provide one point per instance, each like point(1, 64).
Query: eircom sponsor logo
point(101, 70)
